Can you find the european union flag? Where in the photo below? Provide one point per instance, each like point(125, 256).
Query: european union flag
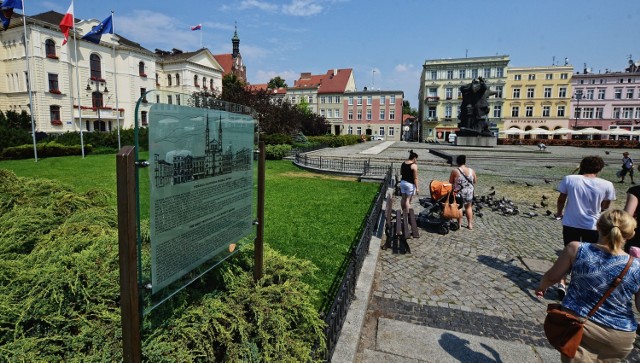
point(13, 4)
point(106, 26)
point(6, 11)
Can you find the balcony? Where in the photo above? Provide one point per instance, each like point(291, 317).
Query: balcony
point(432, 99)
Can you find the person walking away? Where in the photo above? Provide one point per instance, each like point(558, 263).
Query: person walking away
point(631, 207)
point(409, 180)
point(463, 180)
point(609, 334)
point(627, 167)
point(586, 196)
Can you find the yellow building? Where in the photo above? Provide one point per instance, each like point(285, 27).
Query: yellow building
point(537, 97)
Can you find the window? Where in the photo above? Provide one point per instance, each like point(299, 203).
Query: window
point(517, 77)
point(616, 112)
point(590, 94)
point(141, 69)
point(499, 72)
point(310, 98)
point(516, 93)
point(322, 100)
point(448, 92)
point(369, 100)
point(449, 74)
point(322, 112)
point(497, 111)
point(381, 131)
point(576, 113)
point(211, 84)
point(627, 112)
point(195, 81)
point(392, 131)
point(204, 82)
point(392, 114)
point(350, 130)
point(350, 100)
point(157, 79)
point(474, 73)
point(338, 99)
point(515, 111)
point(549, 76)
point(487, 73)
point(433, 92)
point(447, 111)
point(546, 111)
point(462, 73)
point(499, 91)
point(368, 114)
point(560, 112)
point(53, 83)
point(564, 76)
point(359, 100)
point(431, 113)
point(169, 83)
point(170, 99)
point(618, 94)
point(530, 92)
point(293, 99)
point(142, 94)
point(359, 130)
point(50, 49)
point(382, 112)
point(359, 115)
point(629, 92)
point(54, 112)
point(599, 112)
point(434, 75)
point(383, 100)
point(177, 99)
point(329, 99)
point(143, 118)
point(637, 113)
point(96, 99)
point(587, 112)
point(392, 100)
point(532, 77)
point(547, 92)
point(157, 98)
point(529, 111)
point(95, 66)
point(350, 115)
point(336, 113)
point(562, 92)
point(601, 94)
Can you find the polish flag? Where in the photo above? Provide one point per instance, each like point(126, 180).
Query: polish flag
point(197, 27)
point(67, 23)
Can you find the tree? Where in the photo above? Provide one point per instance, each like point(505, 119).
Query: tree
point(233, 89)
point(407, 110)
point(277, 82)
point(15, 129)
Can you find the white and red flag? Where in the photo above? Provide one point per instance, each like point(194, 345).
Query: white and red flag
point(67, 23)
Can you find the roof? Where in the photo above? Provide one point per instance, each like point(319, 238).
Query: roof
point(54, 18)
point(265, 87)
point(226, 62)
point(334, 81)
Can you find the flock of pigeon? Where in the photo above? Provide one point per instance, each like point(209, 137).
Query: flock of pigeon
point(507, 207)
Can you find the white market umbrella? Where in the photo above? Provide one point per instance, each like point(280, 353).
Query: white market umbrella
point(591, 131)
point(635, 132)
point(618, 132)
point(539, 131)
point(513, 131)
point(563, 131)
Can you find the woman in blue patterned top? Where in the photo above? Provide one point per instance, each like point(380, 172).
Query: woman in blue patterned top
point(610, 333)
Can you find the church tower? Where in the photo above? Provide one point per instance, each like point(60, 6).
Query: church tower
point(236, 43)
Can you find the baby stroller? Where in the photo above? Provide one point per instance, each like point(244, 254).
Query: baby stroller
point(431, 217)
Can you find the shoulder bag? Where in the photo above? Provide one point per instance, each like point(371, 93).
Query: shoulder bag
point(564, 330)
point(450, 209)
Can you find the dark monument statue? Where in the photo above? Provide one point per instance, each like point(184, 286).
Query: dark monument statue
point(474, 109)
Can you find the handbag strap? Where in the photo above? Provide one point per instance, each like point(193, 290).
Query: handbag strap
point(466, 177)
point(614, 284)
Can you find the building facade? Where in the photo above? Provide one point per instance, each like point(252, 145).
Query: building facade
point(375, 113)
point(607, 100)
point(101, 96)
point(537, 97)
point(440, 97)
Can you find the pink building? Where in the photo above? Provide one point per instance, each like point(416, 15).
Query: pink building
point(607, 100)
point(375, 113)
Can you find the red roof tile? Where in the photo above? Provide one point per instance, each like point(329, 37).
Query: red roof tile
point(226, 62)
point(334, 81)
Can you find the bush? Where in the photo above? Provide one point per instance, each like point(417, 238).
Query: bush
point(45, 149)
point(276, 152)
point(276, 139)
point(335, 140)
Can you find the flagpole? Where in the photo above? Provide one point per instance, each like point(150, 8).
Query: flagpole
point(201, 31)
point(115, 77)
point(26, 53)
point(75, 47)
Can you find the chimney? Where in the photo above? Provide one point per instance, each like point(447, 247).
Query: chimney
point(305, 75)
point(335, 71)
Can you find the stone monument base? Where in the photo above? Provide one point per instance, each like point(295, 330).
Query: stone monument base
point(480, 141)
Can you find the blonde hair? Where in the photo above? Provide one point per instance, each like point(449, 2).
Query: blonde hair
point(615, 227)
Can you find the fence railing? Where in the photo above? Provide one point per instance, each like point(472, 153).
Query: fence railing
point(343, 165)
point(345, 291)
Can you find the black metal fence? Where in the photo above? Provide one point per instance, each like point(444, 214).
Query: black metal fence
point(345, 290)
point(343, 165)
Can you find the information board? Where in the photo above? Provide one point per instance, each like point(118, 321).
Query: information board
point(201, 174)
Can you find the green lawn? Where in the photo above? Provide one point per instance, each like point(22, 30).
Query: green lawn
point(312, 216)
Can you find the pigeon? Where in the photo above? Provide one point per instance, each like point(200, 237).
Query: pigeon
point(492, 188)
point(606, 152)
point(544, 204)
point(544, 196)
point(548, 166)
point(492, 193)
point(512, 181)
point(479, 215)
point(531, 214)
point(549, 212)
point(547, 181)
point(527, 184)
point(534, 206)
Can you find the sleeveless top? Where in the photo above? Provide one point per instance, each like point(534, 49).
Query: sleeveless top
point(591, 276)
point(407, 173)
point(463, 187)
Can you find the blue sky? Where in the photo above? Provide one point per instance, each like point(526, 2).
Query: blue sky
point(385, 42)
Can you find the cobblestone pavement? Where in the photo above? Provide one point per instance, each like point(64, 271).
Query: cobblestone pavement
point(480, 281)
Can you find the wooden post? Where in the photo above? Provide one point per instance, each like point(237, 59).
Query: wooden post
point(127, 241)
point(259, 244)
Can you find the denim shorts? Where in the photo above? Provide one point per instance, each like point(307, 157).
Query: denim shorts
point(407, 188)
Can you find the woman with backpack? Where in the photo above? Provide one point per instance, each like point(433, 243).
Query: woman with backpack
point(463, 180)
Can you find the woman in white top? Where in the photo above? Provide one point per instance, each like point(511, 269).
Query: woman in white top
point(463, 180)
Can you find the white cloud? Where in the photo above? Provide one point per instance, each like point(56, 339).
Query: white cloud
point(302, 8)
point(262, 5)
point(401, 68)
point(265, 76)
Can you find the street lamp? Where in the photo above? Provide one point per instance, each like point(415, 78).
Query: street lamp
point(97, 87)
point(577, 112)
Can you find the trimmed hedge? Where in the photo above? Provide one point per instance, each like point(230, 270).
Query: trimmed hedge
point(46, 149)
point(276, 152)
point(335, 140)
